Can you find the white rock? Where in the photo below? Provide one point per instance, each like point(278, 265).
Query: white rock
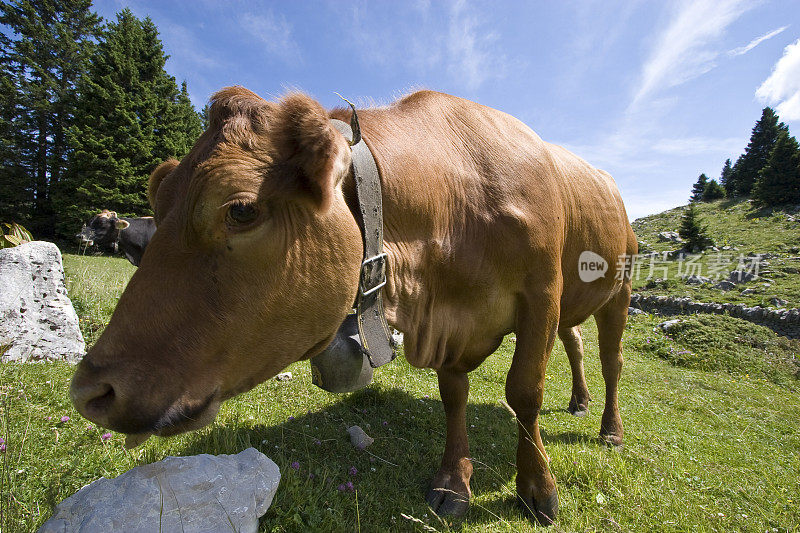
point(284, 376)
point(37, 320)
point(359, 437)
point(189, 494)
point(667, 325)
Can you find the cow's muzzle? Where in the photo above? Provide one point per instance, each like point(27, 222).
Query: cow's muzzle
point(119, 407)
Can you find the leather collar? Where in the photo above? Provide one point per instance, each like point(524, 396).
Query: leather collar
point(375, 337)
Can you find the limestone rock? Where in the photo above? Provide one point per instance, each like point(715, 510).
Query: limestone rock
point(198, 493)
point(359, 437)
point(37, 320)
point(634, 311)
point(725, 285)
point(778, 302)
point(284, 376)
point(741, 276)
point(669, 236)
point(697, 280)
point(667, 325)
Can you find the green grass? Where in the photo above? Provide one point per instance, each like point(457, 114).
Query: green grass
point(94, 284)
point(723, 343)
point(744, 229)
point(705, 450)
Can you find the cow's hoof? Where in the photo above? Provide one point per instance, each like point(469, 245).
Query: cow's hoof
point(544, 510)
point(578, 410)
point(447, 502)
point(611, 440)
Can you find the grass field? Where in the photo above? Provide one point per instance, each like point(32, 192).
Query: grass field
point(706, 450)
point(746, 231)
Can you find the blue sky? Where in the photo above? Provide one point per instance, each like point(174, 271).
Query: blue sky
point(654, 92)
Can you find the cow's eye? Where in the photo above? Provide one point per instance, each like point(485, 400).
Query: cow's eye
point(240, 214)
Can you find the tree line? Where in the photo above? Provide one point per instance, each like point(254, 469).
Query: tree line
point(768, 171)
point(87, 111)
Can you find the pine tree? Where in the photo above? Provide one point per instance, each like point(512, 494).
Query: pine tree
point(765, 133)
point(713, 191)
point(132, 117)
point(45, 51)
point(698, 188)
point(693, 232)
point(725, 177)
point(204, 117)
point(779, 181)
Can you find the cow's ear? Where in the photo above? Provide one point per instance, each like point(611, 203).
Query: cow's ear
point(315, 153)
point(157, 177)
point(121, 224)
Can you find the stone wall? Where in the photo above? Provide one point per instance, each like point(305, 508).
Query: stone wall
point(784, 322)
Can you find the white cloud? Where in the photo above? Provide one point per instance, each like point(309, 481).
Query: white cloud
point(472, 56)
point(755, 42)
point(697, 145)
point(436, 37)
point(782, 87)
point(274, 33)
point(684, 49)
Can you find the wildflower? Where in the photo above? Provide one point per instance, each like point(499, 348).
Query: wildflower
point(291, 418)
point(385, 423)
point(2, 447)
point(311, 476)
point(318, 442)
point(352, 471)
point(89, 427)
point(105, 436)
point(65, 418)
point(2, 440)
point(349, 486)
point(341, 487)
point(295, 465)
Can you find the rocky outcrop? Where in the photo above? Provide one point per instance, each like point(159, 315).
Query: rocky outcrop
point(189, 494)
point(37, 320)
point(669, 236)
point(784, 322)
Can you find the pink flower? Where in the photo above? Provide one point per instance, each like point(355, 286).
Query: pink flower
point(2, 447)
point(65, 418)
point(2, 440)
point(105, 436)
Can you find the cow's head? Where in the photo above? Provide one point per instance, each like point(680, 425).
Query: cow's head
point(254, 265)
point(103, 230)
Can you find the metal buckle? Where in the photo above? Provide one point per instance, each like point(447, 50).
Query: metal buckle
point(361, 284)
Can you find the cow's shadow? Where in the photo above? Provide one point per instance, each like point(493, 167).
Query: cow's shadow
point(315, 456)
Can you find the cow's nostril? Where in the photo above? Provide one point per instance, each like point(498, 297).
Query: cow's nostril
point(100, 402)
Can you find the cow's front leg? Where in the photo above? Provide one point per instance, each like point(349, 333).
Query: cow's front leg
point(449, 493)
point(536, 332)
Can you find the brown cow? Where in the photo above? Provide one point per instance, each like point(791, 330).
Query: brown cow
point(255, 264)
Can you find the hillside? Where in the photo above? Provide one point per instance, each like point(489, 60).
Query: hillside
point(738, 231)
